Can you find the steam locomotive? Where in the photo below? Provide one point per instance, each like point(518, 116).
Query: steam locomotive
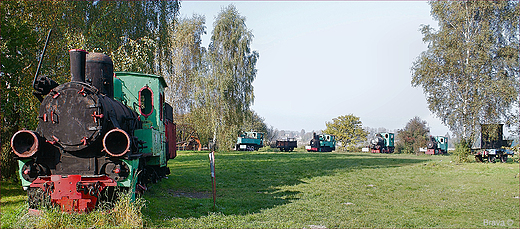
point(98, 134)
point(437, 145)
point(322, 143)
point(382, 143)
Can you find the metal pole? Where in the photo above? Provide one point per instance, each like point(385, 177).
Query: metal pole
point(41, 59)
point(213, 182)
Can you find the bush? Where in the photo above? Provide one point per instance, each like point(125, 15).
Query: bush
point(353, 148)
point(8, 163)
point(462, 151)
point(414, 136)
point(402, 147)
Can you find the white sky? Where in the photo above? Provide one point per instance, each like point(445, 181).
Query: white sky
point(320, 60)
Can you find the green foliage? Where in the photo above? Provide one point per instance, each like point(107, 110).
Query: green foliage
point(233, 66)
point(187, 92)
point(413, 136)
point(254, 122)
point(187, 62)
point(403, 148)
point(18, 50)
point(124, 214)
point(223, 88)
point(135, 56)
point(462, 153)
point(348, 131)
point(470, 71)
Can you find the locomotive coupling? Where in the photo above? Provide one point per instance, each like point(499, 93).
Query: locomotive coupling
point(25, 143)
point(116, 142)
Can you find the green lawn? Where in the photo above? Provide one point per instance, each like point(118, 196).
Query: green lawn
point(323, 190)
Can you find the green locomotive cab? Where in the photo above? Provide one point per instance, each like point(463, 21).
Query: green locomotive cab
point(442, 143)
point(389, 139)
point(144, 93)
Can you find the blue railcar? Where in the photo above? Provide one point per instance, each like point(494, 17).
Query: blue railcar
point(322, 143)
point(249, 141)
point(382, 143)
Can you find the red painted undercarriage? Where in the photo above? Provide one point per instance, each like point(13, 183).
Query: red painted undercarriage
point(73, 192)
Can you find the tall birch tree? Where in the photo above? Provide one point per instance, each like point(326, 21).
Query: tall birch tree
point(232, 70)
point(469, 73)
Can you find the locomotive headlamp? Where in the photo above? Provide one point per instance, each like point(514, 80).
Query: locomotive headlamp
point(116, 169)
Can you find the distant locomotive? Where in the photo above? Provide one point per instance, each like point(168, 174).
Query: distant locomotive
point(382, 143)
point(492, 144)
point(437, 145)
point(322, 143)
point(250, 141)
point(286, 144)
point(97, 134)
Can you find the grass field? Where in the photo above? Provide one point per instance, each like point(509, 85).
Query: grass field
point(322, 190)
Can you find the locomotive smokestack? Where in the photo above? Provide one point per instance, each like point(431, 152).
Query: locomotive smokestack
point(25, 143)
point(116, 143)
point(77, 64)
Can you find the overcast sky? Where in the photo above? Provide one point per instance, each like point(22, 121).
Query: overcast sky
point(320, 60)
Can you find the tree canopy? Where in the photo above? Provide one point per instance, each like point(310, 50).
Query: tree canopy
point(348, 130)
point(413, 136)
point(211, 88)
point(226, 84)
point(469, 73)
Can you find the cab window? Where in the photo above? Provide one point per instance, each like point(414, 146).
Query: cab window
point(146, 101)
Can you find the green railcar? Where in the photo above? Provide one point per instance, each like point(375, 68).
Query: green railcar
point(249, 141)
point(382, 143)
point(437, 145)
point(322, 143)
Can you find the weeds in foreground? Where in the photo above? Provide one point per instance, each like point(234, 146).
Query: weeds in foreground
point(124, 214)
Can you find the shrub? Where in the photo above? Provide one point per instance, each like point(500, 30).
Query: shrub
point(353, 148)
point(8, 163)
point(402, 147)
point(462, 151)
point(414, 136)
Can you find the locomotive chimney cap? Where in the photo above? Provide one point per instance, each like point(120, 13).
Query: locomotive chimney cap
point(77, 50)
point(96, 57)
